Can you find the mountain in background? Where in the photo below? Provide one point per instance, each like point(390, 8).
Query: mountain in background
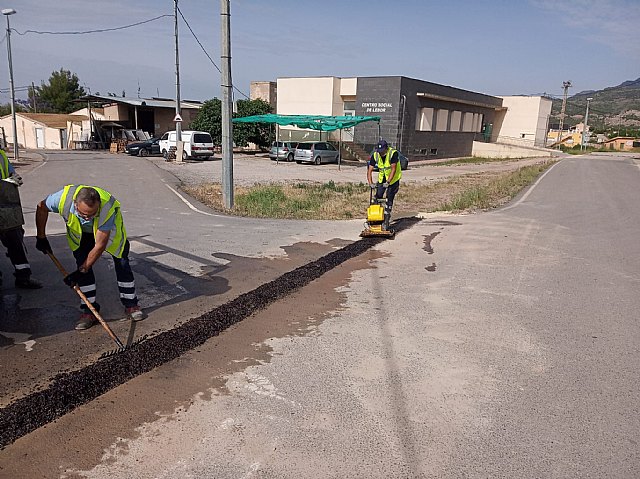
point(611, 106)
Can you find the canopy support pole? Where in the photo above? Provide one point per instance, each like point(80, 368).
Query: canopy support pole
point(340, 150)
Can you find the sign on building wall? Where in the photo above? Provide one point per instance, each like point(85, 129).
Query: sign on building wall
point(376, 107)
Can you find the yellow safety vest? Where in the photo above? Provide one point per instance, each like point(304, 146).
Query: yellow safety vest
point(384, 167)
point(4, 165)
point(109, 206)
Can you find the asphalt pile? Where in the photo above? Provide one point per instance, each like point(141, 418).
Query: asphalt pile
point(69, 390)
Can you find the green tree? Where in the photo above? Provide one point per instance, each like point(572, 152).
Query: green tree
point(258, 133)
point(6, 109)
point(209, 119)
point(58, 94)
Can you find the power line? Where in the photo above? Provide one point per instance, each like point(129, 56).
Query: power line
point(101, 30)
point(205, 51)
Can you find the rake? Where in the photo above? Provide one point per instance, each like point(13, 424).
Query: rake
point(104, 324)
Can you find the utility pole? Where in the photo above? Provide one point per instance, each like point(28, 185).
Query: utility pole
point(566, 85)
point(585, 130)
point(178, 117)
point(7, 12)
point(226, 86)
point(33, 92)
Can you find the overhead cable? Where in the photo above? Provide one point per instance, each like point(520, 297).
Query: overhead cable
point(101, 30)
point(205, 51)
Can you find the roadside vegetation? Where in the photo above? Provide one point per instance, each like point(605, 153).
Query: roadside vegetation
point(476, 160)
point(331, 201)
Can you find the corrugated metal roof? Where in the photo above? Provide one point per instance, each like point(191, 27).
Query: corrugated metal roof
point(151, 102)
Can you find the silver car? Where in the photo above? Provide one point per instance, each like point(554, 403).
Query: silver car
point(316, 152)
point(282, 150)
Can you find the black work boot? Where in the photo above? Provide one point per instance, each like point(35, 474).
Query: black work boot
point(28, 283)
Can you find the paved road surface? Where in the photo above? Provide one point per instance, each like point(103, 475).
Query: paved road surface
point(493, 345)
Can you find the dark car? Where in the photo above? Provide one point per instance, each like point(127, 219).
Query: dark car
point(144, 148)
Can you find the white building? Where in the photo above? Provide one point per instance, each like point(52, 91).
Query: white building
point(525, 121)
point(50, 131)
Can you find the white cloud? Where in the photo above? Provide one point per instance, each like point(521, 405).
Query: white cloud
point(613, 23)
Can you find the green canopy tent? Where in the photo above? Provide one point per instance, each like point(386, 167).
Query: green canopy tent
point(311, 122)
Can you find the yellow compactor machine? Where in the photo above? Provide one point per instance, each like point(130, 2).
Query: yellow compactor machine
point(375, 224)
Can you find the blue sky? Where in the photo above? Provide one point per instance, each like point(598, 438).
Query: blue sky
point(495, 47)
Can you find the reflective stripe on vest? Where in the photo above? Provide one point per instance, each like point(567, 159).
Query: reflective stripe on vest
point(109, 207)
point(384, 167)
point(4, 165)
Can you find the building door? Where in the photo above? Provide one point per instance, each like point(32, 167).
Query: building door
point(39, 138)
point(347, 133)
point(63, 139)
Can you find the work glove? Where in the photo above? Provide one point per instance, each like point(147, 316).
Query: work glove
point(42, 244)
point(16, 179)
point(74, 278)
point(385, 185)
point(372, 186)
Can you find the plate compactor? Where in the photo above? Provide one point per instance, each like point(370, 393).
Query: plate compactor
point(377, 223)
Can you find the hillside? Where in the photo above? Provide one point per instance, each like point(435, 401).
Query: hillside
point(612, 106)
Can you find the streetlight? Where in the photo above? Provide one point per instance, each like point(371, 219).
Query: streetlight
point(585, 130)
point(7, 12)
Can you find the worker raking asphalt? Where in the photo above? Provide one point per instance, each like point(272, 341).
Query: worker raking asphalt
point(72, 389)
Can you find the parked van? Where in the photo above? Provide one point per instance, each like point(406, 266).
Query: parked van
point(197, 144)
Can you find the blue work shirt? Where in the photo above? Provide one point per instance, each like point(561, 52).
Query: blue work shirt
point(52, 201)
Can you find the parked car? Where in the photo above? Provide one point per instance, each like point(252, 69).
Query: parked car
point(197, 144)
point(282, 150)
point(144, 148)
point(404, 162)
point(316, 152)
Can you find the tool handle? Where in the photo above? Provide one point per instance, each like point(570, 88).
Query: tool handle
point(57, 263)
point(88, 303)
point(98, 317)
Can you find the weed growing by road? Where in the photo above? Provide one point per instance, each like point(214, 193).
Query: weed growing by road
point(335, 201)
point(476, 160)
point(496, 191)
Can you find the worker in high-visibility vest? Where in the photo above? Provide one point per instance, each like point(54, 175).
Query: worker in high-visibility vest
point(389, 173)
point(13, 239)
point(94, 225)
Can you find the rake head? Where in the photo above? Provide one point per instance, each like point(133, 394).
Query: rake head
point(120, 349)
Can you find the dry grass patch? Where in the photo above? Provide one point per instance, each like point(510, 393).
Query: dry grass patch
point(348, 201)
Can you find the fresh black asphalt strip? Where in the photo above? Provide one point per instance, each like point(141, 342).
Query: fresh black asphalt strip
point(71, 389)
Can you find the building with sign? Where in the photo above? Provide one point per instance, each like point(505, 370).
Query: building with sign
point(422, 119)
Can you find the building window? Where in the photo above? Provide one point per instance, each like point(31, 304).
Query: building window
point(442, 117)
point(467, 121)
point(456, 117)
point(349, 105)
point(433, 151)
point(477, 122)
point(424, 119)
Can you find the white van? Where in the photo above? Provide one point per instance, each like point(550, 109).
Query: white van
point(197, 144)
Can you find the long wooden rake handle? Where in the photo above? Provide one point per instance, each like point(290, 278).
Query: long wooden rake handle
point(88, 303)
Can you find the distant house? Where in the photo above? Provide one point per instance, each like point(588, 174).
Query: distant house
point(51, 131)
point(152, 115)
point(571, 137)
point(619, 143)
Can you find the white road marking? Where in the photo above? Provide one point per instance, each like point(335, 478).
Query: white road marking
point(186, 202)
point(526, 195)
